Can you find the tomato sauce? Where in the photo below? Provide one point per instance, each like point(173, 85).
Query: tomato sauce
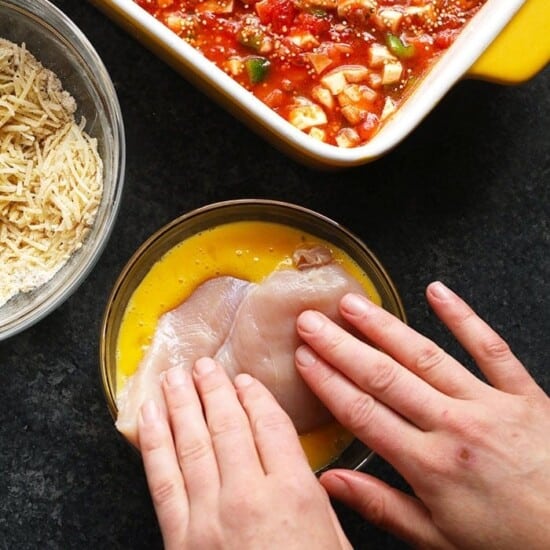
point(335, 69)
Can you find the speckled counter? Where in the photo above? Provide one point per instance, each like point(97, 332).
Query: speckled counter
point(464, 199)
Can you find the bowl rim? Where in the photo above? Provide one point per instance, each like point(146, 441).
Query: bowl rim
point(60, 26)
point(109, 385)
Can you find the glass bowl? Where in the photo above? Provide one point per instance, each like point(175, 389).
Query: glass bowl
point(180, 229)
point(61, 47)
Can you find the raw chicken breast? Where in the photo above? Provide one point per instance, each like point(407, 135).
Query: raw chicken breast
point(195, 329)
point(263, 336)
point(248, 328)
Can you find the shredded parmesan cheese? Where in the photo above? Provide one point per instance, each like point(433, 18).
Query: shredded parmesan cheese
point(51, 175)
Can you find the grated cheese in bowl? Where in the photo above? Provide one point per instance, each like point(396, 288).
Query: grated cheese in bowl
point(51, 175)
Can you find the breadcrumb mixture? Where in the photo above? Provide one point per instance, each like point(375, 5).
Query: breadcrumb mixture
point(51, 175)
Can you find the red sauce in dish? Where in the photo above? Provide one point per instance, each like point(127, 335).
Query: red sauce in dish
point(335, 69)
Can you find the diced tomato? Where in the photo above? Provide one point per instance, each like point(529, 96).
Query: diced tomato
point(445, 38)
point(264, 9)
point(313, 23)
point(208, 19)
point(367, 128)
point(275, 98)
point(277, 13)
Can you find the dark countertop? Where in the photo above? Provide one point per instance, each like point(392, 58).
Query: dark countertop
point(464, 199)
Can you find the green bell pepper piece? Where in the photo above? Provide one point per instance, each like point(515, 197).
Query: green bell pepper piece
point(398, 48)
point(257, 69)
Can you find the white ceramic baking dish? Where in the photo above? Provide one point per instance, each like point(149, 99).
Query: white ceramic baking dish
point(508, 26)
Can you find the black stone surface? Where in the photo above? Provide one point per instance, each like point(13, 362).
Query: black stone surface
point(464, 199)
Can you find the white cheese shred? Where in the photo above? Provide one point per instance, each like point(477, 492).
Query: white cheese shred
point(51, 175)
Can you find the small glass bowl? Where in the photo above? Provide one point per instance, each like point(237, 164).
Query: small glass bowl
point(61, 47)
point(356, 454)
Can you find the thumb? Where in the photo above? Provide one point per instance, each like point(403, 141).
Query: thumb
point(403, 515)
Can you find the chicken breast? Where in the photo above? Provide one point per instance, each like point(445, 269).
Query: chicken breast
point(195, 329)
point(263, 336)
point(248, 328)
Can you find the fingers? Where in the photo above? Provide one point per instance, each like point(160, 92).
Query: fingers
point(274, 433)
point(373, 371)
point(163, 473)
point(386, 507)
point(380, 428)
point(487, 348)
point(416, 352)
point(227, 423)
point(221, 441)
point(192, 439)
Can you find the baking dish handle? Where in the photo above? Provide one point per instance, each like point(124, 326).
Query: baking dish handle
point(521, 50)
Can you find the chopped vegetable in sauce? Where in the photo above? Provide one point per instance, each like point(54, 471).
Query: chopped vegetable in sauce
point(335, 69)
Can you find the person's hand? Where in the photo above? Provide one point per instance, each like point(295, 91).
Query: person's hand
point(476, 455)
point(225, 467)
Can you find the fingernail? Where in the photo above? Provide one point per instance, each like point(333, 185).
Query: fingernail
point(440, 291)
point(354, 304)
point(310, 321)
point(335, 484)
point(305, 357)
point(175, 376)
point(243, 380)
point(149, 412)
point(204, 366)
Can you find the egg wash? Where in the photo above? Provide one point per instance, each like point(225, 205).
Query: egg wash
point(248, 250)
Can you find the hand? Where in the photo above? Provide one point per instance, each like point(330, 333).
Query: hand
point(477, 456)
point(235, 476)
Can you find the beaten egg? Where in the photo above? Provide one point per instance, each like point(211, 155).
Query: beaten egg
point(248, 250)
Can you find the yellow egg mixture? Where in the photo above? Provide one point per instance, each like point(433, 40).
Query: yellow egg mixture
point(249, 250)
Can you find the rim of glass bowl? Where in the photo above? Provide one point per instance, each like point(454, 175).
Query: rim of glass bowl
point(356, 455)
point(56, 24)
